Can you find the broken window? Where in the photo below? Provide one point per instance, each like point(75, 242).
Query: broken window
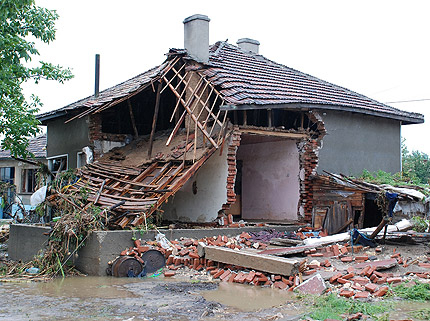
point(58, 164)
point(28, 180)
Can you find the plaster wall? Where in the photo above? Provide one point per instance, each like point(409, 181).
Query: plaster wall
point(19, 171)
point(210, 180)
point(356, 142)
point(67, 138)
point(270, 180)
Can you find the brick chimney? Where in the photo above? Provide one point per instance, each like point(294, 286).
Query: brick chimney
point(196, 37)
point(248, 44)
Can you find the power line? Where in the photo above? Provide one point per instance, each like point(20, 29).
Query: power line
point(406, 101)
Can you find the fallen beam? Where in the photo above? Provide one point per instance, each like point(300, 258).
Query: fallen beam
point(343, 237)
point(259, 262)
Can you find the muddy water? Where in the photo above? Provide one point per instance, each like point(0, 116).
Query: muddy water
point(247, 298)
point(107, 298)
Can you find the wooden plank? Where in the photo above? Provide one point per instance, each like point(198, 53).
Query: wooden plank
point(133, 121)
point(273, 133)
point(154, 120)
point(259, 262)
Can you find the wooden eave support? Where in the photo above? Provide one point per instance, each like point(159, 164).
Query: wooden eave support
point(133, 122)
point(273, 133)
point(154, 120)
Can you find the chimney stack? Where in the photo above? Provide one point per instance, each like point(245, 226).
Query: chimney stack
point(248, 44)
point(97, 77)
point(196, 37)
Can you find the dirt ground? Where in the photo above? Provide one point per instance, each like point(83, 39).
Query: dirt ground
point(190, 295)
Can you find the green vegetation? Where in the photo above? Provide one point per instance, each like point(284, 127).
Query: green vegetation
point(413, 291)
point(415, 166)
point(21, 21)
point(331, 307)
point(415, 171)
point(422, 314)
point(420, 224)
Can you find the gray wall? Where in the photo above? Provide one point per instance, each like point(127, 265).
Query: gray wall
point(211, 180)
point(67, 138)
point(355, 142)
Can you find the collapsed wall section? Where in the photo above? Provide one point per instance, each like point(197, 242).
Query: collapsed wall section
point(309, 152)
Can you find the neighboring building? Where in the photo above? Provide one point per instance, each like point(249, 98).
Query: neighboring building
point(20, 173)
point(273, 127)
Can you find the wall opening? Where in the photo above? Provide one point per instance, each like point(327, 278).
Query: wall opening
point(267, 179)
point(373, 215)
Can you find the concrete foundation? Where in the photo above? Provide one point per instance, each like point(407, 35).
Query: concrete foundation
point(26, 241)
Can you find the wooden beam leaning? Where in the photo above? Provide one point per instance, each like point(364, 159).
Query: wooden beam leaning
point(133, 122)
point(154, 120)
point(193, 117)
point(260, 262)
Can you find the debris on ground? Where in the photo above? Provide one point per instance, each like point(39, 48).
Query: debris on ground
point(357, 271)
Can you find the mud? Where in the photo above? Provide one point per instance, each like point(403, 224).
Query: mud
point(108, 298)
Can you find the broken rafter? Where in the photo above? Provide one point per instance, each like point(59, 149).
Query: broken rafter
point(133, 122)
point(154, 120)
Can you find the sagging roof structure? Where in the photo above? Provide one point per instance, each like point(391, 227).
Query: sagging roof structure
point(233, 79)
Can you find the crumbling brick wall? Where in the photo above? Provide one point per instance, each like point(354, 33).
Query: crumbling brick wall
point(231, 159)
point(308, 166)
point(96, 135)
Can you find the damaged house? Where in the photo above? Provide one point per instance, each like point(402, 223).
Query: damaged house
point(219, 128)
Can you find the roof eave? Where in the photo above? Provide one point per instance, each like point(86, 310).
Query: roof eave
point(406, 120)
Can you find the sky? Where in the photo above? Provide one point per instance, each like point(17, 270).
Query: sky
point(380, 49)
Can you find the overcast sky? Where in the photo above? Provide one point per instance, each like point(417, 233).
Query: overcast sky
point(380, 49)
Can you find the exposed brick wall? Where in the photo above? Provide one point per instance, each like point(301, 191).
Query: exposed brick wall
point(231, 160)
point(308, 164)
point(96, 134)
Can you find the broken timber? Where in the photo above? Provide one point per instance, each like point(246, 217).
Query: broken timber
point(260, 262)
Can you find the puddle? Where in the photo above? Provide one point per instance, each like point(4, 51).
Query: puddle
point(247, 298)
point(74, 287)
point(404, 309)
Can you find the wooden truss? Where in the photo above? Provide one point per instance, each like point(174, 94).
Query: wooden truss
point(199, 98)
point(130, 195)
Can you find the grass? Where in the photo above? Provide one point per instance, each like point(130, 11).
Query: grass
point(422, 314)
point(417, 291)
point(331, 307)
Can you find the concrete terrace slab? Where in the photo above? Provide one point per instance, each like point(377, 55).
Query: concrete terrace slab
point(26, 241)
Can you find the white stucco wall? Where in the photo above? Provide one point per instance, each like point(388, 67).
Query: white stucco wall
point(211, 180)
point(270, 180)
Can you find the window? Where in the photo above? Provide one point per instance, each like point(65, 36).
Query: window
point(57, 164)
point(28, 183)
point(7, 174)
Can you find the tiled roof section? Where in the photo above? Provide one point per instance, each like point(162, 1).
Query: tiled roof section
point(247, 78)
point(37, 145)
point(108, 95)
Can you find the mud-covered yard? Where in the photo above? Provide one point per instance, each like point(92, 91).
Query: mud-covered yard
point(189, 295)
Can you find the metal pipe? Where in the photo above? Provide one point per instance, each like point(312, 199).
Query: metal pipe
point(97, 77)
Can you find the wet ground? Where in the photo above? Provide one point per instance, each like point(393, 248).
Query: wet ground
point(108, 298)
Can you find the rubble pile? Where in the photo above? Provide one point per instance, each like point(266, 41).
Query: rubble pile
point(357, 272)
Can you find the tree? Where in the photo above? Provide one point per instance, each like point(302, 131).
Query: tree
point(21, 21)
point(415, 165)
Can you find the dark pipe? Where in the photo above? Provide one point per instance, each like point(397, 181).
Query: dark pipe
point(97, 79)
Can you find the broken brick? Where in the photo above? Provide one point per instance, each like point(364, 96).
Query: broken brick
point(371, 287)
point(169, 273)
point(346, 259)
point(335, 277)
point(381, 292)
point(346, 293)
point(361, 295)
point(394, 280)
